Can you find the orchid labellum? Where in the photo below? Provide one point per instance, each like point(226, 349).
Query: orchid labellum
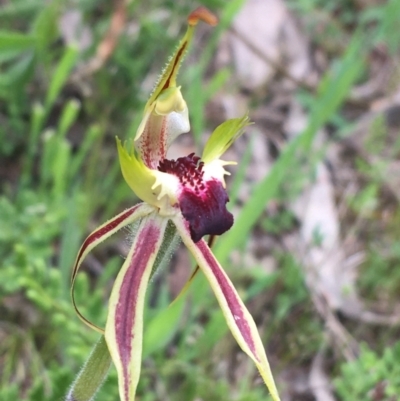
point(188, 192)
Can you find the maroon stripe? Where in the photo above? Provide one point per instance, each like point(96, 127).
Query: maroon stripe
point(94, 236)
point(153, 143)
point(126, 307)
point(230, 296)
point(178, 56)
point(163, 140)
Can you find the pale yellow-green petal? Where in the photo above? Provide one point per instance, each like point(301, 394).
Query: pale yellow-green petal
point(239, 320)
point(154, 187)
point(124, 327)
point(99, 235)
point(223, 137)
point(139, 177)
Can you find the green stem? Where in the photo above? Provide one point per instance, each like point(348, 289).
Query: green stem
point(92, 375)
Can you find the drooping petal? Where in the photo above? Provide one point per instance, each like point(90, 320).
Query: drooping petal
point(237, 316)
point(124, 327)
point(166, 115)
point(223, 137)
point(98, 236)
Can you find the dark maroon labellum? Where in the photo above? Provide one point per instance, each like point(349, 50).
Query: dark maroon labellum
point(202, 203)
point(207, 213)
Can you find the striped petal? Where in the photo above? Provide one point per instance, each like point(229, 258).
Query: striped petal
point(239, 320)
point(168, 119)
point(124, 327)
point(98, 236)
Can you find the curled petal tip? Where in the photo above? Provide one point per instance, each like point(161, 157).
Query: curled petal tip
point(203, 14)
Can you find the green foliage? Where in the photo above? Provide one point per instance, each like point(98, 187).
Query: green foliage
point(62, 177)
point(372, 375)
point(45, 213)
point(32, 283)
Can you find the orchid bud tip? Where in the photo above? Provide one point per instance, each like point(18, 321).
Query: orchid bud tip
point(204, 14)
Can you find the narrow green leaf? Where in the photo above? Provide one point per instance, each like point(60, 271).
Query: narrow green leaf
point(60, 164)
point(240, 173)
point(18, 73)
point(68, 117)
point(160, 330)
point(46, 26)
point(89, 138)
point(196, 99)
point(37, 118)
point(8, 55)
point(48, 146)
point(92, 375)
point(70, 243)
point(216, 83)
point(60, 76)
point(17, 8)
point(16, 41)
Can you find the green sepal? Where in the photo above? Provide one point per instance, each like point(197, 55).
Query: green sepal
point(139, 177)
point(223, 137)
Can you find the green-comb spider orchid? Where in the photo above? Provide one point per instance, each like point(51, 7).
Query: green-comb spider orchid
point(190, 193)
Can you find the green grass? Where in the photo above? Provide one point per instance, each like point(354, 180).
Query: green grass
point(61, 178)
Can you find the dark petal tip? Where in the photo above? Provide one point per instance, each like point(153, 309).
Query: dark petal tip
point(206, 211)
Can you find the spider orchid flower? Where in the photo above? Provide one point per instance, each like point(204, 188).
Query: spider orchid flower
point(188, 192)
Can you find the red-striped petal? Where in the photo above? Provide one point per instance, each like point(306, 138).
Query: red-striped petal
point(239, 320)
point(158, 134)
point(124, 327)
point(98, 236)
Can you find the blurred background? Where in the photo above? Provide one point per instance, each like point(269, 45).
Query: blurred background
point(315, 249)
